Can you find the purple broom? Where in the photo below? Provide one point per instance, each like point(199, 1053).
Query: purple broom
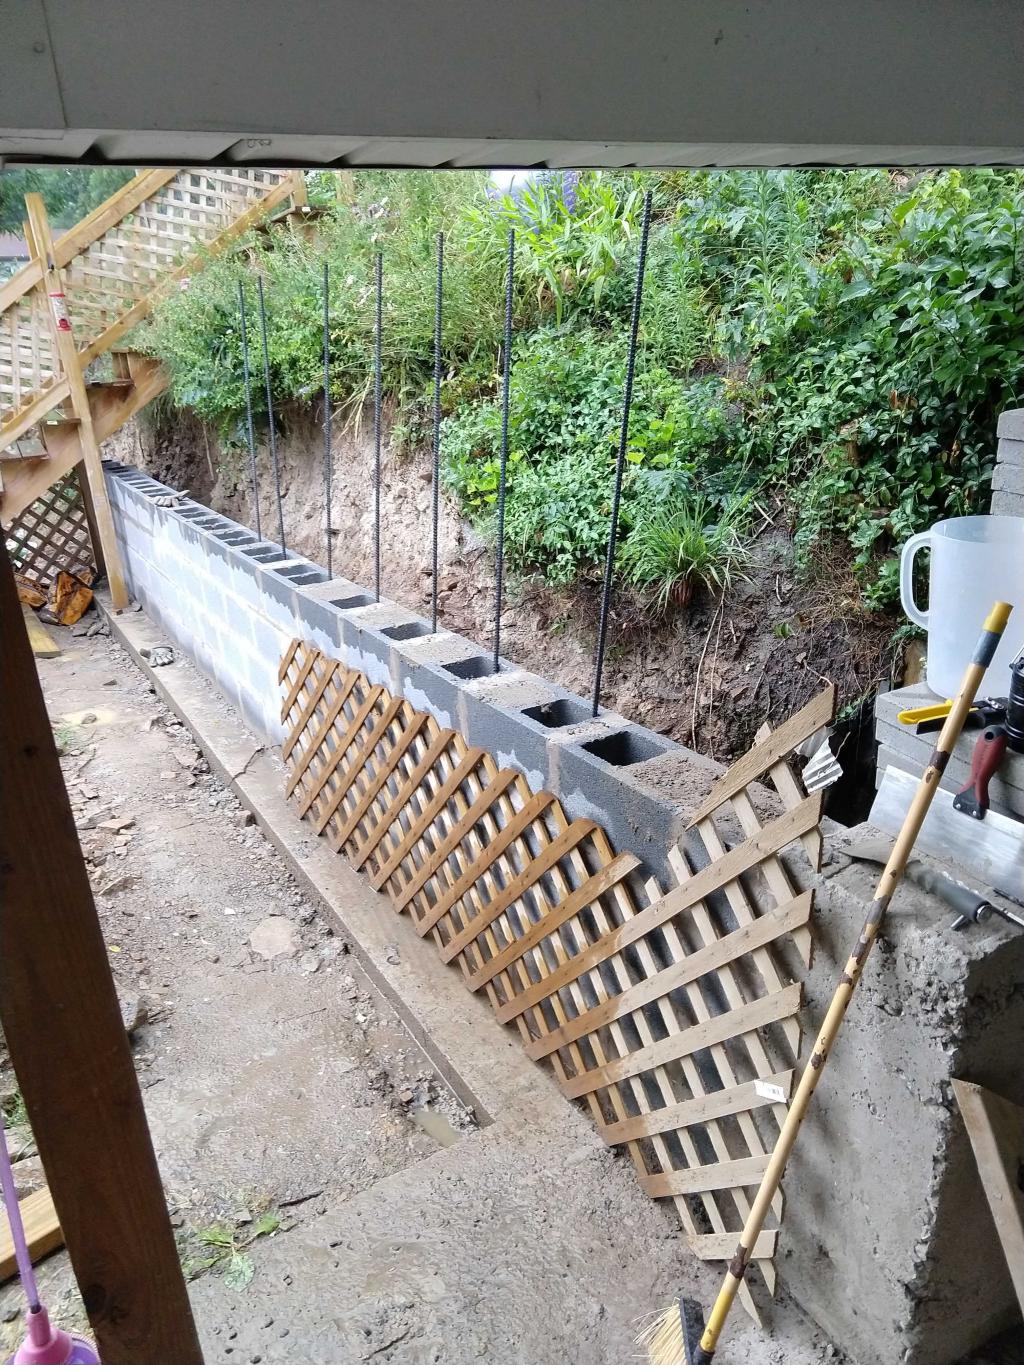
point(43, 1344)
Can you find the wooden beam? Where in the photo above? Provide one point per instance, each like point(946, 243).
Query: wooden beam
point(64, 340)
point(111, 407)
point(42, 1232)
point(43, 644)
point(996, 1129)
point(63, 1026)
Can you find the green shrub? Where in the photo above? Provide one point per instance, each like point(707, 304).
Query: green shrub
point(847, 338)
point(670, 551)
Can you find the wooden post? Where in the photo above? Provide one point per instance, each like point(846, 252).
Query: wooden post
point(41, 243)
point(60, 1016)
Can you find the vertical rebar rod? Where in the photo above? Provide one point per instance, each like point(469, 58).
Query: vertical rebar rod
point(438, 301)
point(249, 430)
point(620, 462)
point(379, 282)
point(327, 414)
point(270, 409)
point(506, 377)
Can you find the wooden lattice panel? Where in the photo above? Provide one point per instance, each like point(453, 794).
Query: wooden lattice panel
point(52, 534)
point(113, 262)
point(673, 1016)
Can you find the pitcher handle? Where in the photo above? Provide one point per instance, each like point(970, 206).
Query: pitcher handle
point(907, 557)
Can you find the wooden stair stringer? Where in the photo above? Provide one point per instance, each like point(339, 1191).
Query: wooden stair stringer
point(111, 405)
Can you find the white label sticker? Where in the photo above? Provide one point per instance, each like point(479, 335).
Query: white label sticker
point(768, 1091)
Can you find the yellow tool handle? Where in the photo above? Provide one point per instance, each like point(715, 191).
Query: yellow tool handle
point(919, 713)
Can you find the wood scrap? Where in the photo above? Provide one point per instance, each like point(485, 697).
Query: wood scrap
point(70, 597)
point(996, 1129)
point(43, 644)
point(42, 1231)
point(29, 593)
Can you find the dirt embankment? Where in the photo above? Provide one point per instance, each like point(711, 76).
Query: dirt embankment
point(707, 676)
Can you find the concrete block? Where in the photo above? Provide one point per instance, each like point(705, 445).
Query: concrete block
point(1008, 478)
point(1010, 452)
point(491, 714)
point(422, 672)
point(1011, 424)
point(594, 773)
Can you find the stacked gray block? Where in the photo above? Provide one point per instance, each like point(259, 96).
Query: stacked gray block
point(899, 746)
point(233, 603)
point(1008, 478)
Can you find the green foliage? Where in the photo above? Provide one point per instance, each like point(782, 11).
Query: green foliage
point(670, 551)
point(224, 1249)
point(844, 338)
point(69, 192)
point(15, 1115)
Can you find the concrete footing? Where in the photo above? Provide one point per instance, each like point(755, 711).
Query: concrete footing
point(889, 1243)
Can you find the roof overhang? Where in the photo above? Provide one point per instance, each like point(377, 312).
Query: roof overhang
point(518, 83)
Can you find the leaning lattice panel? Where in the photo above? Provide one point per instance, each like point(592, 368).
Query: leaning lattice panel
point(52, 534)
point(673, 1016)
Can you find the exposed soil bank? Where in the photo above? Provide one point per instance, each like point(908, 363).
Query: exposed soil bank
point(707, 676)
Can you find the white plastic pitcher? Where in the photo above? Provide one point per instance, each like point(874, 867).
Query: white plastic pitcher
point(975, 561)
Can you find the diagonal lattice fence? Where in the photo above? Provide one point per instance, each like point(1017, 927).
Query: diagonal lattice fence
point(673, 1015)
point(52, 534)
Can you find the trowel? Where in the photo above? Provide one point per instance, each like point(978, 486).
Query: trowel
point(992, 849)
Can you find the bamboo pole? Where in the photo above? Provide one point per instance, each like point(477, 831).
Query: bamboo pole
point(991, 634)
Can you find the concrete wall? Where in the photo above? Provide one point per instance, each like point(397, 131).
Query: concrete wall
point(888, 1242)
point(233, 603)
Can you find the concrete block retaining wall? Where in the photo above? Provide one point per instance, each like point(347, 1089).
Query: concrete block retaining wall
point(233, 602)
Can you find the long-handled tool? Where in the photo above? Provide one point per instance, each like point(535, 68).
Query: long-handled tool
point(43, 1344)
point(676, 1339)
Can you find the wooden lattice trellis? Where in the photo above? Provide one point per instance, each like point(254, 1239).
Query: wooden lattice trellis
point(53, 534)
point(672, 1015)
point(115, 262)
